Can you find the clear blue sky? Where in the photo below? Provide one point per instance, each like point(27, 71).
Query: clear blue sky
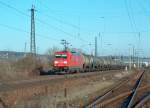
point(118, 22)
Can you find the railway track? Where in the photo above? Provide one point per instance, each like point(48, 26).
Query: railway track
point(12, 91)
point(126, 94)
point(44, 78)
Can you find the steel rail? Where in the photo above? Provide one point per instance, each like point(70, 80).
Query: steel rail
point(123, 95)
point(98, 99)
point(139, 105)
point(130, 99)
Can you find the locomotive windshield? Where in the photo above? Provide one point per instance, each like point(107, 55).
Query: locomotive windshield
point(61, 56)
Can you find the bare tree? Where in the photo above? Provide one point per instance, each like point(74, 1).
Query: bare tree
point(52, 50)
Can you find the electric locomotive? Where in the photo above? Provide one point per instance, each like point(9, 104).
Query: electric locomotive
point(75, 61)
point(68, 61)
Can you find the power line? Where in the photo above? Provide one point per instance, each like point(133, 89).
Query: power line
point(54, 27)
point(11, 7)
point(63, 22)
point(58, 29)
point(24, 31)
point(144, 31)
point(40, 21)
point(142, 8)
point(60, 21)
point(74, 26)
point(121, 32)
point(128, 13)
point(77, 27)
point(40, 35)
point(13, 28)
point(132, 16)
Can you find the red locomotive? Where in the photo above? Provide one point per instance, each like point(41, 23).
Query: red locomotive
point(75, 61)
point(68, 61)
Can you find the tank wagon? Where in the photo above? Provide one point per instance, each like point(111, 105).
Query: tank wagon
point(75, 61)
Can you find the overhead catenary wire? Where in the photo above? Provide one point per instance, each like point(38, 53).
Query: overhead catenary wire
point(134, 24)
point(57, 19)
point(40, 21)
point(129, 16)
point(56, 28)
point(75, 26)
point(132, 16)
point(24, 31)
point(11, 7)
point(145, 11)
point(63, 22)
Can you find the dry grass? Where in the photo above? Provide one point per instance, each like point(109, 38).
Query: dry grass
point(23, 68)
point(79, 92)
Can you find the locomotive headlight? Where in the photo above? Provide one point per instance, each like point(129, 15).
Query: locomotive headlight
point(55, 62)
point(65, 62)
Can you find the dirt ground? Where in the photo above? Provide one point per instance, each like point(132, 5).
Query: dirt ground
point(73, 93)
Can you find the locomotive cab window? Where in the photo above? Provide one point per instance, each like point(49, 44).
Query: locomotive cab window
point(75, 53)
point(61, 56)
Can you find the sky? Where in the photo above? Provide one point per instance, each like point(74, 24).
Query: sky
point(119, 25)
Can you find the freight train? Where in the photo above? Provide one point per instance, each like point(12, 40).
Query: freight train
point(75, 61)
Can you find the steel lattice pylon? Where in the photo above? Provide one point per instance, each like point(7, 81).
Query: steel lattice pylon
point(32, 40)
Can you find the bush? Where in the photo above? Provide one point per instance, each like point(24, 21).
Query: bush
point(29, 65)
point(23, 68)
